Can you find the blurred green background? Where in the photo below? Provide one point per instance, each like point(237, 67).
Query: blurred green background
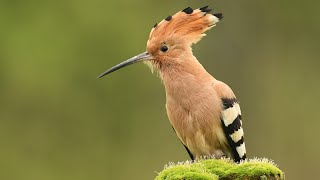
point(57, 121)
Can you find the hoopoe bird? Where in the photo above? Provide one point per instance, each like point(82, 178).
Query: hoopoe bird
point(202, 110)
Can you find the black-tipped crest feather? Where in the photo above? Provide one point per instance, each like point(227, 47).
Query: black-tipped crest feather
point(218, 15)
point(155, 25)
point(188, 10)
point(168, 18)
point(205, 9)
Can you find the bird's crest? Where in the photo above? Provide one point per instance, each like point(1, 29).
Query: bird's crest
point(188, 24)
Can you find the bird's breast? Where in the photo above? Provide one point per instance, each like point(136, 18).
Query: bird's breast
point(194, 114)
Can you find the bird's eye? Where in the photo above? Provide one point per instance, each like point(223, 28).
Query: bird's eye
point(164, 48)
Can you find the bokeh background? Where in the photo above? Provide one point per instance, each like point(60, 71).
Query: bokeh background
point(57, 121)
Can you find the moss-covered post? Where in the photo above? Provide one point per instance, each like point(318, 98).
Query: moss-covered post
point(224, 169)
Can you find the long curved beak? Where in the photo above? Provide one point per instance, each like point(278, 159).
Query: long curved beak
point(141, 57)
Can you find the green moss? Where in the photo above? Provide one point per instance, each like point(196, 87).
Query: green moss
point(212, 169)
point(187, 171)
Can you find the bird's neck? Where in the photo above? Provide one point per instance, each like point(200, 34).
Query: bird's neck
point(185, 78)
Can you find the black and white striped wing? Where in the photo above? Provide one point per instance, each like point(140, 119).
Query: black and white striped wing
point(232, 126)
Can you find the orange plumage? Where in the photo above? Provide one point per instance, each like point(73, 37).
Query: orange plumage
point(203, 111)
point(182, 25)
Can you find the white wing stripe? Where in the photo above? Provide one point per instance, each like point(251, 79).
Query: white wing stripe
point(237, 106)
point(236, 136)
point(241, 150)
point(229, 115)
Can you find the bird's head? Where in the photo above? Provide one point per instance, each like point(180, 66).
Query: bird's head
point(170, 40)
